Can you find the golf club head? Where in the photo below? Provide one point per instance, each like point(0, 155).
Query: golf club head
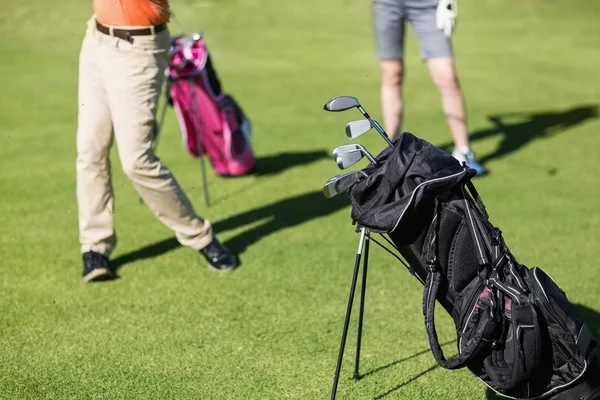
point(346, 160)
point(358, 127)
point(347, 155)
point(340, 183)
point(350, 149)
point(341, 103)
point(338, 176)
point(345, 148)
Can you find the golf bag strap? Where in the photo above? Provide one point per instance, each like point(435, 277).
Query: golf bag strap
point(478, 238)
point(432, 285)
point(430, 292)
point(477, 198)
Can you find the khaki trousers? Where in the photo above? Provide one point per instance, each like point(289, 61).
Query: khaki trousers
point(119, 89)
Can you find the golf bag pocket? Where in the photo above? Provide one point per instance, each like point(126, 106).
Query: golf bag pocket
point(211, 121)
point(455, 247)
point(498, 332)
point(517, 354)
point(572, 344)
point(476, 315)
point(475, 323)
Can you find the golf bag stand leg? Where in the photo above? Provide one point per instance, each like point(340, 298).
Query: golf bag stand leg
point(195, 111)
point(363, 291)
point(361, 242)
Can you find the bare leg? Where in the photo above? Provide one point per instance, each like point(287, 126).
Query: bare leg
point(392, 74)
point(444, 76)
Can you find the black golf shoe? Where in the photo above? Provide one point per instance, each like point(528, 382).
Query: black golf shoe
point(96, 267)
point(218, 257)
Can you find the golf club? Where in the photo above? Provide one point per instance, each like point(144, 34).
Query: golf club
point(349, 154)
point(343, 103)
point(344, 174)
point(357, 128)
point(340, 183)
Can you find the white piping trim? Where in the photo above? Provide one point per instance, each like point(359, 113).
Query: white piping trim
point(542, 395)
point(472, 224)
point(509, 291)
point(511, 269)
point(579, 334)
point(541, 287)
point(498, 262)
point(415, 190)
point(466, 324)
point(523, 326)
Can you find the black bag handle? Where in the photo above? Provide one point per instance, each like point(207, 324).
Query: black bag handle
point(432, 285)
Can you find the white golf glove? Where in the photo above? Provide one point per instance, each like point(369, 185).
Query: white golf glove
point(446, 16)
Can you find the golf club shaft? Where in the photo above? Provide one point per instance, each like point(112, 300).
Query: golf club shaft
point(372, 159)
point(376, 126)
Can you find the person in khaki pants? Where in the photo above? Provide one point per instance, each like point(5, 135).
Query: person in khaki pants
point(121, 70)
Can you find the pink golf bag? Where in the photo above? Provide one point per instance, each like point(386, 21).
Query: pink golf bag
point(211, 121)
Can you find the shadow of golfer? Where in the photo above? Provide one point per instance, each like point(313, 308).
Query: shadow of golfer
point(426, 351)
point(152, 250)
point(519, 129)
point(590, 316)
point(279, 215)
point(276, 163)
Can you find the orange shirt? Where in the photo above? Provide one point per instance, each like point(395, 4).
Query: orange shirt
point(131, 12)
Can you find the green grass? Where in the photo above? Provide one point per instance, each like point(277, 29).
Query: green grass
point(170, 328)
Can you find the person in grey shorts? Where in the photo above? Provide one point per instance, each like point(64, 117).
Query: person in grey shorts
point(433, 22)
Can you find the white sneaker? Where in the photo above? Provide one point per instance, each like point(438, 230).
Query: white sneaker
point(469, 158)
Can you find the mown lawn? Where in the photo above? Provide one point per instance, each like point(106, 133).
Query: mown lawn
point(171, 329)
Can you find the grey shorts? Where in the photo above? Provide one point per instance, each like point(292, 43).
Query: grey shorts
point(388, 23)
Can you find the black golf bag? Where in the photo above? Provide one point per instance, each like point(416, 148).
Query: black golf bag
point(516, 329)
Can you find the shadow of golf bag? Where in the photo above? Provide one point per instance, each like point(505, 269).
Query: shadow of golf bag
point(516, 329)
point(211, 121)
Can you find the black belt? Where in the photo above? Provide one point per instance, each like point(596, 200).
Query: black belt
point(127, 34)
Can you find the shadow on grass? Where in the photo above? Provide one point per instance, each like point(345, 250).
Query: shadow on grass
point(266, 165)
point(400, 386)
point(412, 379)
point(276, 163)
point(592, 318)
point(426, 351)
point(518, 129)
point(150, 251)
point(280, 215)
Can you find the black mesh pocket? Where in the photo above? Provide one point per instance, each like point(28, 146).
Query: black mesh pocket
point(517, 357)
point(572, 343)
point(456, 250)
